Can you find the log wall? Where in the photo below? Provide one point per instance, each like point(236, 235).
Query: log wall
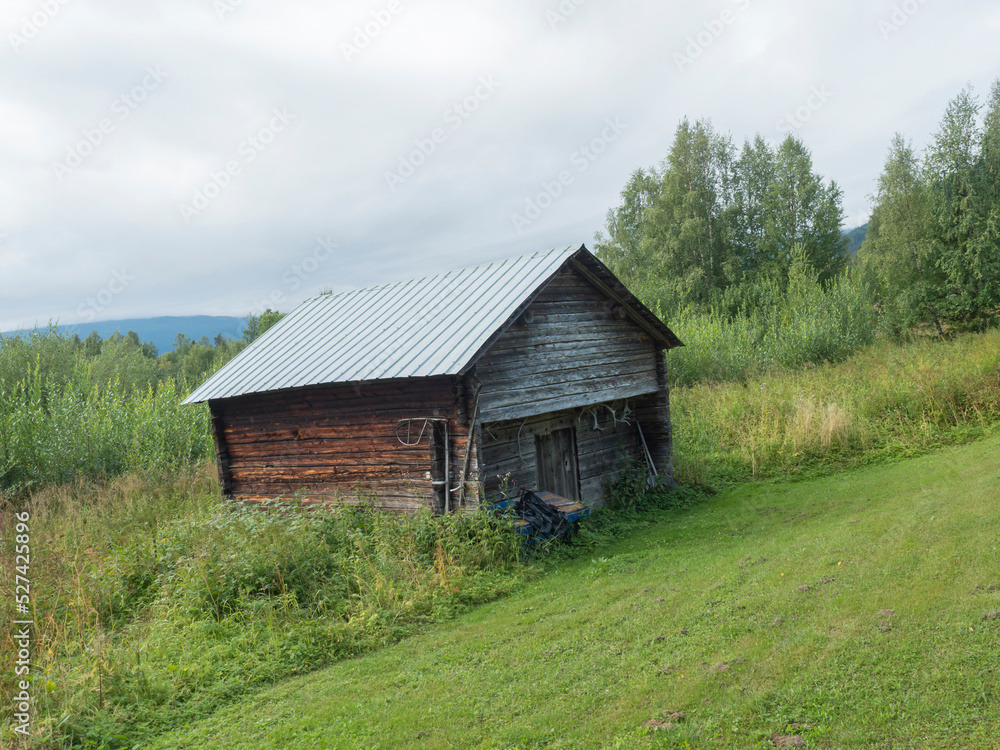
point(654, 416)
point(337, 443)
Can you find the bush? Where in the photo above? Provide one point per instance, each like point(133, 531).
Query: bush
point(53, 431)
point(806, 325)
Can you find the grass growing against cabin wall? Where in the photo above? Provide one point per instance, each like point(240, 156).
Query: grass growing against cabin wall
point(886, 401)
point(157, 603)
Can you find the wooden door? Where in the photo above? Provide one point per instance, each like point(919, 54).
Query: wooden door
point(555, 463)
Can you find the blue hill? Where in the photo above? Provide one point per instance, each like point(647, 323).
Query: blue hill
point(855, 237)
point(161, 331)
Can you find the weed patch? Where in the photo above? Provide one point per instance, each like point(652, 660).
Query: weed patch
point(158, 602)
point(884, 402)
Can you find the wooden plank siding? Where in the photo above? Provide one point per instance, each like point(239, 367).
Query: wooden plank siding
point(600, 446)
point(338, 442)
point(654, 416)
point(572, 347)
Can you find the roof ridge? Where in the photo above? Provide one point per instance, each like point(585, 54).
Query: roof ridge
point(453, 271)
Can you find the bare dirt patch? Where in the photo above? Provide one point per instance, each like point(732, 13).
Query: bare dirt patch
point(886, 616)
point(671, 720)
point(787, 740)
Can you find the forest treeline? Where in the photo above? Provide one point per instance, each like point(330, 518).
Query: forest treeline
point(72, 407)
point(742, 249)
point(932, 252)
point(714, 227)
point(62, 358)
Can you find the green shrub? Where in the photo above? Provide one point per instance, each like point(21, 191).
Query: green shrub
point(807, 325)
point(52, 431)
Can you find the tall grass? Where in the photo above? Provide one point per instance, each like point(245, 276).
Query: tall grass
point(156, 601)
point(60, 357)
point(53, 432)
point(69, 409)
point(885, 401)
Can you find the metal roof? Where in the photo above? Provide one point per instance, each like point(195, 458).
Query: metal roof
point(433, 326)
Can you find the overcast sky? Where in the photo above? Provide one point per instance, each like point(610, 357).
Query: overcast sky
point(188, 157)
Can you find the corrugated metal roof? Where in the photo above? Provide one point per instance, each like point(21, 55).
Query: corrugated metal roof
point(430, 326)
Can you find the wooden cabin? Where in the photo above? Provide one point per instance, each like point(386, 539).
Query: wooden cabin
point(540, 372)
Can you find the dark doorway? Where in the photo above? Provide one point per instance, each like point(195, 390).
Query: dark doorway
point(439, 480)
point(555, 462)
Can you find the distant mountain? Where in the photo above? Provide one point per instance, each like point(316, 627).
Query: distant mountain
point(855, 237)
point(162, 331)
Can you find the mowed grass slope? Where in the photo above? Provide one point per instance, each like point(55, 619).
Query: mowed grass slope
point(851, 611)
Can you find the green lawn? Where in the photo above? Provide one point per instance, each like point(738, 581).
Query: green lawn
point(705, 613)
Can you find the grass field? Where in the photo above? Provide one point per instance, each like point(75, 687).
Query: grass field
point(849, 611)
point(885, 402)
